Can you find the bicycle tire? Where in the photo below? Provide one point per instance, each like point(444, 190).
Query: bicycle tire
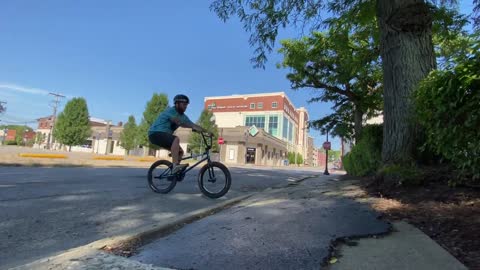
point(203, 176)
point(151, 177)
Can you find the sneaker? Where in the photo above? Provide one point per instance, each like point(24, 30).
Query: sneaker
point(178, 168)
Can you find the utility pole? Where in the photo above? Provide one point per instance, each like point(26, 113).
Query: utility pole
point(108, 136)
point(55, 106)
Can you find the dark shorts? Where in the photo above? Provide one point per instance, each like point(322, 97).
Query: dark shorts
point(162, 139)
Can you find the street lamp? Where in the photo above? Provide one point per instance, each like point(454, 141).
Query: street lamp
point(326, 159)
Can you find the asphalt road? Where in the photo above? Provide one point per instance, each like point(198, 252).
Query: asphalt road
point(44, 211)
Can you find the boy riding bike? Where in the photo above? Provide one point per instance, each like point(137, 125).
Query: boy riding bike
point(161, 131)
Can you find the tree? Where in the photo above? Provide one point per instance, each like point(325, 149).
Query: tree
point(196, 142)
point(345, 67)
point(19, 133)
point(73, 125)
point(39, 138)
point(406, 49)
point(157, 104)
point(128, 137)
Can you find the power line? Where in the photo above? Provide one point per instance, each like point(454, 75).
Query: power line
point(55, 106)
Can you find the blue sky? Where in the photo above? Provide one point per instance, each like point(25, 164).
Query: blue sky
point(116, 54)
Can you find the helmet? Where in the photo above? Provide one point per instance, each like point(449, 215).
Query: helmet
point(181, 98)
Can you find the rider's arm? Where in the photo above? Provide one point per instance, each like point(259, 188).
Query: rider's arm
point(188, 124)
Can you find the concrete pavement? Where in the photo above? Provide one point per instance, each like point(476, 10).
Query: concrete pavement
point(289, 228)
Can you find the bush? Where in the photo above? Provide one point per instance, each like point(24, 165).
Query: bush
point(366, 156)
point(447, 108)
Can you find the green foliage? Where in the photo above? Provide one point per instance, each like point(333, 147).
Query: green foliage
point(343, 63)
point(157, 104)
point(291, 158)
point(447, 108)
point(73, 125)
point(128, 137)
point(40, 138)
point(20, 132)
point(196, 142)
point(299, 159)
point(366, 156)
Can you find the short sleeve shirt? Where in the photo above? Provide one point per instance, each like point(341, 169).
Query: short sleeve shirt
point(163, 123)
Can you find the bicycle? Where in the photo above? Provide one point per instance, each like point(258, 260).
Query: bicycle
point(207, 177)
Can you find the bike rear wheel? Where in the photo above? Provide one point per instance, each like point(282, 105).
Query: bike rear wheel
point(160, 177)
point(214, 180)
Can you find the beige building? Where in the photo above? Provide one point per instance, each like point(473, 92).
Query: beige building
point(98, 143)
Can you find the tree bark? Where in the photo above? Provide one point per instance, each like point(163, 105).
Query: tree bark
point(408, 56)
point(358, 118)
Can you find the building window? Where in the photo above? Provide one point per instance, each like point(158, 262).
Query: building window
point(274, 105)
point(285, 128)
point(209, 107)
point(231, 154)
point(260, 105)
point(290, 132)
point(273, 125)
point(252, 105)
point(258, 121)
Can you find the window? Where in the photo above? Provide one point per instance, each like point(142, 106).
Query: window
point(290, 132)
point(285, 128)
point(209, 107)
point(273, 125)
point(258, 121)
point(231, 154)
point(252, 105)
point(274, 105)
point(260, 105)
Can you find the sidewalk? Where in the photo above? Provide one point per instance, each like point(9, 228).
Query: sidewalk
point(289, 228)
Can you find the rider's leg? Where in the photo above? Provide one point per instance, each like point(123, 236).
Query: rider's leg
point(175, 149)
point(177, 154)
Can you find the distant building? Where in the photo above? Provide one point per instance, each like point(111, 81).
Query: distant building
point(98, 142)
point(282, 128)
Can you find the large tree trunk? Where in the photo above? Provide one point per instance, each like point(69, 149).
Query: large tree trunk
point(358, 117)
point(407, 56)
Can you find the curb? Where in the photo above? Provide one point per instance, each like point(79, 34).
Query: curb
point(35, 155)
point(135, 236)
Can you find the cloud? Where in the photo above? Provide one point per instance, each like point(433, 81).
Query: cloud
point(18, 88)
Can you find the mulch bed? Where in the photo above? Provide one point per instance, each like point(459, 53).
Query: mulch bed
point(450, 216)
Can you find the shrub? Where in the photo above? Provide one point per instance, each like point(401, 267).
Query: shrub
point(447, 108)
point(366, 156)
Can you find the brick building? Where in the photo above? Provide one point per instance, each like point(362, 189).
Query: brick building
point(283, 128)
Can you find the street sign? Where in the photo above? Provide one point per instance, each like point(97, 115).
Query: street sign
point(220, 140)
point(327, 146)
point(253, 130)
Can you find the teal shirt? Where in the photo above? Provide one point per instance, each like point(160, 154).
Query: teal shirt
point(163, 123)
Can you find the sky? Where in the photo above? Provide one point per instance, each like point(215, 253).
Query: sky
point(116, 54)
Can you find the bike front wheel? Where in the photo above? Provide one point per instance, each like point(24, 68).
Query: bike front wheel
point(214, 180)
point(160, 177)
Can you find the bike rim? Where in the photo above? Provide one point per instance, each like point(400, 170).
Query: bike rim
point(214, 180)
point(161, 177)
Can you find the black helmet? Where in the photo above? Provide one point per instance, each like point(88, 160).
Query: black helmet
point(181, 98)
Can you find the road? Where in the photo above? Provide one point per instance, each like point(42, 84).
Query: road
point(45, 211)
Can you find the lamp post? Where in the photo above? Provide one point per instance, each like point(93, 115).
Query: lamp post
point(326, 159)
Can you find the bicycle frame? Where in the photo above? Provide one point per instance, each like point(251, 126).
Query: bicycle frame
point(208, 146)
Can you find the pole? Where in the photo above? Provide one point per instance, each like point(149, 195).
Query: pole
point(108, 135)
point(326, 159)
point(56, 102)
